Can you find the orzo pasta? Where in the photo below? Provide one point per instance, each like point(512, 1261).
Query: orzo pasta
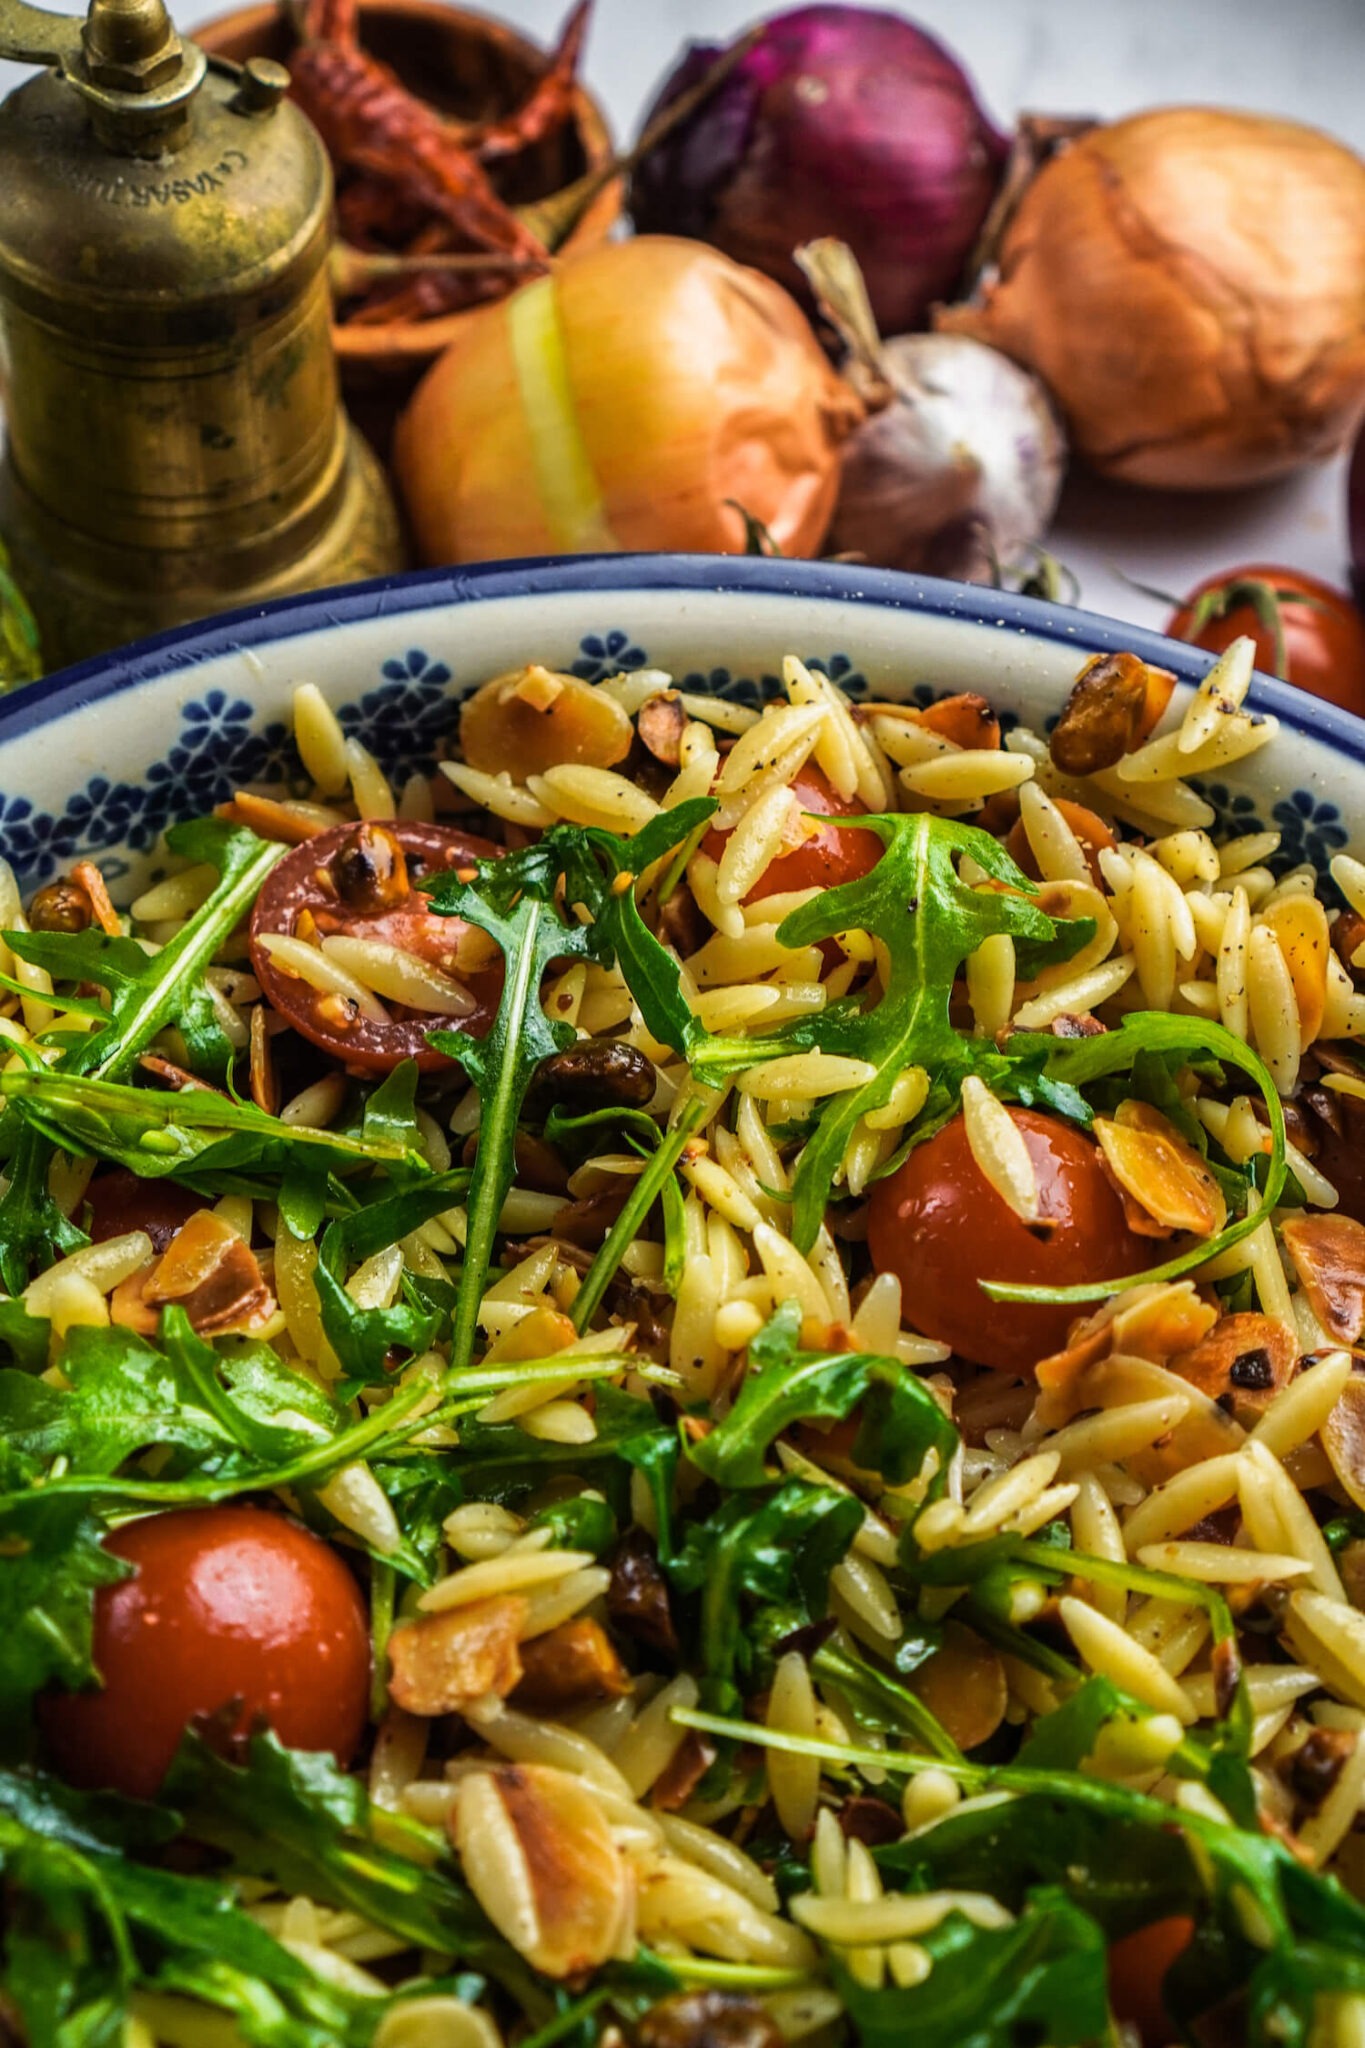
point(693, 1384)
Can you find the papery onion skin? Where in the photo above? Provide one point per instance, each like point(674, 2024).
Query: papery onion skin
point(1190, 284)
point(839, 121)
point(960, 473)
point(647, 384)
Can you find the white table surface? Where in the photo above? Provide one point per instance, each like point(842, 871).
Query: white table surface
point(1304, 59)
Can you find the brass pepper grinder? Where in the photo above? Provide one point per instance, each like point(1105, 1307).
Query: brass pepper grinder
point(175, 441)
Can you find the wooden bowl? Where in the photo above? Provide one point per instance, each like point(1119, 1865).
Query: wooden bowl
point(470, 66)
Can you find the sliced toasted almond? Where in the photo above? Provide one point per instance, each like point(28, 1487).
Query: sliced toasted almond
point(1328, 1254)
point(1164, 1176)
point(210, 1272)
point(1151, 1323)
point(532, 720)
point(1243, 1363)
point(1343, 1438)
point(442, 1663)
point(998, 1147)
point(1304, 938)
point(539, 1856)
point(963, 1685)
point(574, 1665)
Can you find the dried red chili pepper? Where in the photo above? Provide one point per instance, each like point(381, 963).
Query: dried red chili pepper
point(550, 102)
point(369, 121)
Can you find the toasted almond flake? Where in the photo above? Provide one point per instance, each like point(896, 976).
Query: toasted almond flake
point(1160, 1171)
point(538, 1854)
point(998, 1147)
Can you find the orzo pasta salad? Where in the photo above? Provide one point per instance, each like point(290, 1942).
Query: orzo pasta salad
point(692, 1385)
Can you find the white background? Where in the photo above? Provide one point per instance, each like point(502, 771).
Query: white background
point(1301, 58)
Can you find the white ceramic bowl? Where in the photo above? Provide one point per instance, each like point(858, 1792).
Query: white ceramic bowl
point(99, 759)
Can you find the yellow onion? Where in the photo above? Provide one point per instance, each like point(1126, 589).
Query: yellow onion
point(1190, 284)
point(619, 402)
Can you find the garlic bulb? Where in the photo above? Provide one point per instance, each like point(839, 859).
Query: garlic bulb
point(958, 467)
point(960, 472)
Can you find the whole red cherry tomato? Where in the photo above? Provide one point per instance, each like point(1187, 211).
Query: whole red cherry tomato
point(939, 1225)
point(1306, 632)
point(830, 856)
point(226, 1604)
point(1138, 1963)
point(359, 880)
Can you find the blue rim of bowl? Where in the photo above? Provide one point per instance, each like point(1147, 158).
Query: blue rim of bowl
point(185, 647)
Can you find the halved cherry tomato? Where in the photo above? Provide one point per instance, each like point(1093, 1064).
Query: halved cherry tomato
point(1138, 1963)
point(120, 1201)
point(830, 856)
point(939, 1225)
point(1306, 632)
point(344, 881)
point(228, 1604)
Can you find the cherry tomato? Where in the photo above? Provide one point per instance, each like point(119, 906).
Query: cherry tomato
point(120, 1201)
point(1323, 640)
point(1137, 1968)
point(939, 1225)
point(830, 856)
point(228, 1604)
point(359, 880)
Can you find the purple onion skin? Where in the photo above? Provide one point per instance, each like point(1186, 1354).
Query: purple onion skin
point(1355, 516)
point(840, 121)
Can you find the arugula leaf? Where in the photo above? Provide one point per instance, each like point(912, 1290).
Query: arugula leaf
point(362, 1337)
point(769, 1547)
point(930, 920)
point(881, 1704)
point(126, 1394)
point(149, 992)
point(901, 1422)
point(87, 1925)
point(23, 1336)
point(1041, 1979)
point(209, 1142)
point(51, 1562)
point(517, 900)
point(146, 995)
point(292, 1816)
point(501, 1065)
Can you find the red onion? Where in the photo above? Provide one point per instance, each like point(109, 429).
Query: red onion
point(839, 121)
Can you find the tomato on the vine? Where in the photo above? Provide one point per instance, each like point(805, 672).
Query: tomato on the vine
point(1306, 632)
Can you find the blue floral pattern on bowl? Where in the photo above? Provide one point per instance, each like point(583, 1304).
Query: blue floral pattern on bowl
point(408, 719)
